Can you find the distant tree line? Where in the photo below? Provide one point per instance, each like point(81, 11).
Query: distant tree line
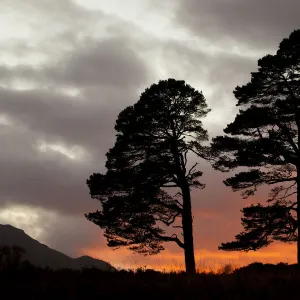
point(145, 193)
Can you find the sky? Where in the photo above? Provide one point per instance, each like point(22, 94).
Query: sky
point(68, 67)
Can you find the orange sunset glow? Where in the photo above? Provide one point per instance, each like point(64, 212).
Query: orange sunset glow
point(211, 227)
point(206, 260)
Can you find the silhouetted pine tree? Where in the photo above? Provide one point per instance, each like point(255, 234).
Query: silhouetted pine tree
point(147, 163)
point(264, 140)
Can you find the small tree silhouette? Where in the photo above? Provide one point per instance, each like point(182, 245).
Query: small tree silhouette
point(11, 257)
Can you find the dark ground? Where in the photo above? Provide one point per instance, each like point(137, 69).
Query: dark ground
point(256, 281)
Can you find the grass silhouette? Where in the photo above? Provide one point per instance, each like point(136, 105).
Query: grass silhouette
point(256, 281)
point(21, 280)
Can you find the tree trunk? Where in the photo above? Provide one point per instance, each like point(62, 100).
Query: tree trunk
point(187, 220)
point(187, 226)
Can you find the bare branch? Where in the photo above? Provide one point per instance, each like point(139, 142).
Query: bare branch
point(164, 238)
point(185, 157)
point(287, 133)
point(177, 226)
point(170, 220)
point(274, 181)
point(191, 169)
point(173, 206)
point(180, 205)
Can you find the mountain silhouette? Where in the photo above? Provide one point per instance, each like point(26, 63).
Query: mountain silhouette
point(42, 256)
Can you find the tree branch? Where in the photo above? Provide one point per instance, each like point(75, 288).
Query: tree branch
point(191, 169)
point(172, 238)
point(177, 226)
point(173, 206)
point(169, 220)
point(274, 181)
point(288, 135)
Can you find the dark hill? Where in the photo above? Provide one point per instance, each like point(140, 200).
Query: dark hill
point(41, 255)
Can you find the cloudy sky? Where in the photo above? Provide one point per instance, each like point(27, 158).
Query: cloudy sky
point(68, 67)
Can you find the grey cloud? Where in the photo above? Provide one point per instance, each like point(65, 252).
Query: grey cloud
point(107, 72)
point(86, 122)
point(60, 13)
point(110, 62)
point(252, 23)
point(52, 29)
point(46, 180)
point(50, 180)
point(215, 70)
point(77, 235)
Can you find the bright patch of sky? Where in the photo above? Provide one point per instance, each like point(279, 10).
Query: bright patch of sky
point(27, 219)
point(75, 153)
point(156, 18)
point(142, 13)
point(5, 120)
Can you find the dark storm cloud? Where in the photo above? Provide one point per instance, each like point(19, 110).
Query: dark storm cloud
point(106, 79)
point(46, 180)
point(252, 23)
point(109, 63)
point(106, 73)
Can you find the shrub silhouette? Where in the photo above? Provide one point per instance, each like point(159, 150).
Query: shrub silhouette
point(11, 257)
point(256, 281)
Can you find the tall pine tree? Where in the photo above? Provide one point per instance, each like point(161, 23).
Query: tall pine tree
point(147, 186)
point(264, 141)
